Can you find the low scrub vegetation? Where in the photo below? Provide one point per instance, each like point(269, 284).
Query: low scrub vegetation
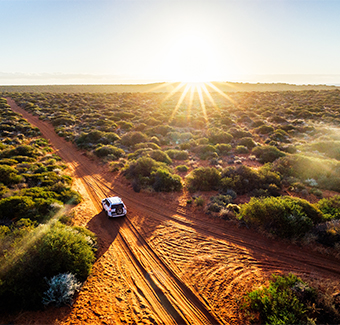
point(243, 179)
point(203, 179)
point(108, 123)
point(147, 172)
point(323, 172)
point(109, 151)
point(289, 300)
point(34, 246)
point(146, 142)
point(37, 253)
point(140, 135)
point(267, 153)
point(286, 217)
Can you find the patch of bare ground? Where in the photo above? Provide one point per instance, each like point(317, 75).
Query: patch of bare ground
point(167, 262)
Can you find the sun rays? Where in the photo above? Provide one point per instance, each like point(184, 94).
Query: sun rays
point(189, 92)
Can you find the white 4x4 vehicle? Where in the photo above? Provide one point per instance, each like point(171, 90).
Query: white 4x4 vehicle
point(114, 207)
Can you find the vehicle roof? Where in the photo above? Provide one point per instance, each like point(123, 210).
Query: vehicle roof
point(115, 199)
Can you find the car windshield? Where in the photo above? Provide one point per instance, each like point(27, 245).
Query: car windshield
point(117, 206)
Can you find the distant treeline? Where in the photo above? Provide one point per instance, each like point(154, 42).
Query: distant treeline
point(160, 87)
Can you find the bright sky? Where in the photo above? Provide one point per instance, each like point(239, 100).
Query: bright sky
point(127, 41)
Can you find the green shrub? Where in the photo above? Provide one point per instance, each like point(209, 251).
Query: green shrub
point(111, 137)
point(139, 153)
point(63, 120)
point(161, 156)
point(285, 217)
point(185, 146)
point(24, 159)
point(226, 120)
point(72, 249)
point(69, 196)
point(203, 179)
point(177, 154)
point(283, 166)
point(55, 250)
point(3, 190)
point(284, 302)
point(8, 161)
point(8, 175)
point(200, 141)
point(132, 138)
point(214, 207)
point(58, 191)
point(108, 150)
point(219, 136)
point(44, 179)
point(267, 153)
point(244, 179)
point(247, 142)
point(280, 135)
point(143, 166)
point(330, 206)
point(96, 136)
point(125, 125)
point(149, 145)
point(92, 137)
point(182, 168)
point(218, 202)
point(264, 129)
point(241, 149)
point(318, 193)
point(238, 133)
point(223, 148)
point(115, 166)
point(206, 151)
point(145, 172)
point(156, 141)
point(44, 207)
point(160, 130)
point(22, 150)
point(289, 148)
point(2, 146)
point(199, 201)
point(164, 181)
point(16, 207)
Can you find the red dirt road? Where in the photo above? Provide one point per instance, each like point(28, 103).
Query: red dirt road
point(166, 263)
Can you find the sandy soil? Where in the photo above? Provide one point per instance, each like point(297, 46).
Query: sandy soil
point(166, 262)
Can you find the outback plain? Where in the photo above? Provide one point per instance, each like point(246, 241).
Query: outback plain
point(232, 193)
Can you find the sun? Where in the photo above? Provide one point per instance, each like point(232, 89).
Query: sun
point(190, 68)
point(189, 59)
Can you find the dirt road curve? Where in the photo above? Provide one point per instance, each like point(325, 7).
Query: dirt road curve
point(166, 263)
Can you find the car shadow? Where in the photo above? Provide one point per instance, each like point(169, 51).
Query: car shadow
point(106, 229)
